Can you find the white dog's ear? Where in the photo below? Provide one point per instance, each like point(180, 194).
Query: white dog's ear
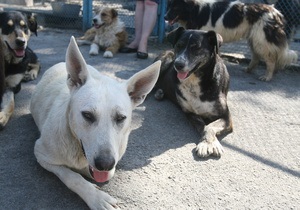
point(141, 83)
point(76, 66)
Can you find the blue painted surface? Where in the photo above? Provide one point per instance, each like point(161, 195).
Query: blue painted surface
point(87, 14)
point(161, 20)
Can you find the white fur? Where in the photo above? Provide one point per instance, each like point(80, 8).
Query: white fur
point(108, 54)
point(7, 107)
point(109, 37)
point(228, 35)
point(8, 102)
point(13, 80)
point(94, 50)
point(66, 91)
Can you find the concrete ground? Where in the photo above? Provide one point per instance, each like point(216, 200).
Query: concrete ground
point(259, 170)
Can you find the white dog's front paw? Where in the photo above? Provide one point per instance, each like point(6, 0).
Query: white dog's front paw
point(205, 148)
point(100, 200)
point(108, 54)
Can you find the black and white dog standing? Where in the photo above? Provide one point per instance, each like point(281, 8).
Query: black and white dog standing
point(261, 24)
point(194, 77)
point(17, 61)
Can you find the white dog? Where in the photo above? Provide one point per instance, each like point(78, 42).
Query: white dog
point(84, 119)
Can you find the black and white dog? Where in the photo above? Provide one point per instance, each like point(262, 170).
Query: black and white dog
point(17, 61)
point(194, 77)
point(261, 24)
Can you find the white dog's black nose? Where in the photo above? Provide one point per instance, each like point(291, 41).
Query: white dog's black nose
point(105, 162)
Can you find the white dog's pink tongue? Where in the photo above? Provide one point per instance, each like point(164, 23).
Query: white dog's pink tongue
point(100, 176)
point(182, 75)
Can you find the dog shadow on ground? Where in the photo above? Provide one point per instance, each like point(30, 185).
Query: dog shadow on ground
point(158, 126)
point(285, 81)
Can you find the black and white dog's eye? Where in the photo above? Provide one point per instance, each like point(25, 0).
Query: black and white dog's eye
point(120, 118)
point(195, 47)
point(88, 116)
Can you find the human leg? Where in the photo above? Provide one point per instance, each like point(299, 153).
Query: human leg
point(149, 20)
point(138, 23)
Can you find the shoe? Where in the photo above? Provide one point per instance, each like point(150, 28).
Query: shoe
point(128, 50)
point(141, 55)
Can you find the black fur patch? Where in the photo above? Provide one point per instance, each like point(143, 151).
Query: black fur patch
point(201, 18)
point(233, 17)
point(275, 34)
point(217, 11)
point(16, 17)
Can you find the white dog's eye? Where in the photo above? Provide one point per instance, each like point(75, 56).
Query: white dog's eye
point(120, 118)
point(88, 116)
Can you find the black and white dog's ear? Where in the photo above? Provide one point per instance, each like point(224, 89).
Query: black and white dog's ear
point(174, 35)
point(32, 24)
point(215, 40)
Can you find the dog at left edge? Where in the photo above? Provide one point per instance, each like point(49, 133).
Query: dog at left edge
point(17, 61)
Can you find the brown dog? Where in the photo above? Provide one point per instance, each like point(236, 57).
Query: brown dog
point(108, 33)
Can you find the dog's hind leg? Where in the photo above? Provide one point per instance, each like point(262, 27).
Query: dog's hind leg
point(269, 72)
point(110, 51)
point(90, 193)
point(7, 107)
point(253, 63)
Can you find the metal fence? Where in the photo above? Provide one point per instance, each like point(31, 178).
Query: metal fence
point(76, 14)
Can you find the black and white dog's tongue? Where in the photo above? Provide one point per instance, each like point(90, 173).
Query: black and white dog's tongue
point(182, 75)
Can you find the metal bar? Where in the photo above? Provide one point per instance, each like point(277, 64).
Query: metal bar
point(161, 25)
point(87, 14)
